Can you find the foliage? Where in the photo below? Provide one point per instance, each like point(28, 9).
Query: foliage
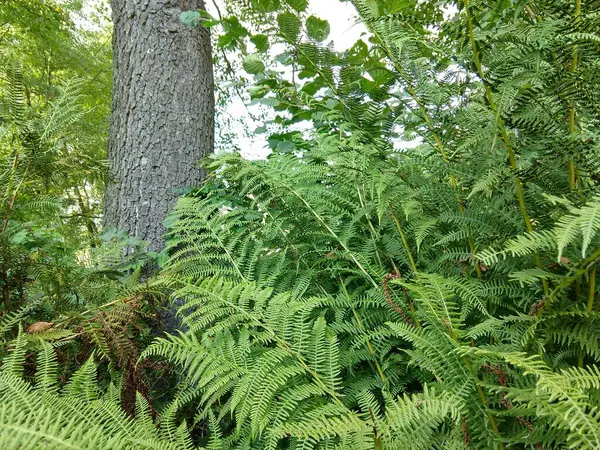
point(53, 115)
point(54, 45)
point(74, 288)
point(332, 290)
point(355, 290)
point(43, 415)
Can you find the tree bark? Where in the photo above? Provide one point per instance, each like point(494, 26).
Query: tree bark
point(162, 113)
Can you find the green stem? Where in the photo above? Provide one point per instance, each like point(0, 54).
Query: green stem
point(85, 211)
point(567, 281)
point(499, 121)
point(368, 342)
point(404, 241)
point(504, 134)
point(429, 125)
point(592, 290)
point(333, 233)
point(371, 227)
point(280, 341)
point(590, 305)
point(480, 392)
point(572, 169)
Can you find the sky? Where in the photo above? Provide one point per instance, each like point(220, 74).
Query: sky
point(345, 31)
point(341, 17)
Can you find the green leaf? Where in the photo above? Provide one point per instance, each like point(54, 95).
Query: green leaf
point(285, 58)
point(253, 64)
point(190, 18)
point(374, 7)
point(226, 41)
point(590, 223)
point(266, 5)
point(258, 91)
point(19, 237)
point(298, 5)
point(276, 138)
point(261, 42)
point(304, 74)
point(317, 29)
point(396, 6)
point(232, 26)
point(313, 87)
point(289, 26)
point(286, 147)
point(358, 53)
point(208, 20)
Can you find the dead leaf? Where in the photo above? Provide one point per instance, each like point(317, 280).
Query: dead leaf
point(38, 327)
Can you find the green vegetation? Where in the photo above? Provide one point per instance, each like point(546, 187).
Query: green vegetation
point(350, 291)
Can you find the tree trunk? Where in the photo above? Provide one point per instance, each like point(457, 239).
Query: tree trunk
point(162, 113)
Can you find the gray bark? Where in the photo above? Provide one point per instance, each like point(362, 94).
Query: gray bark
point(162, 113)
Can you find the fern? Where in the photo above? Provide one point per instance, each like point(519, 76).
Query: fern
point(395, 287)
point(79, 416)
point(354, 293)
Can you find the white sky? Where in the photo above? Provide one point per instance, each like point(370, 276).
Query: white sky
point(345, 31)
point(341, 17)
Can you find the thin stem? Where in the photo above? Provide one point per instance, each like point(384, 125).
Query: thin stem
point(590, 305)
point(572, 169)
point(404, 241)
point(484, 400)
point(280, 341)
point(530, 13)
point(480, 391)
point(567, 281)
point(504, 134)
point(499, 121)
point(592, 290)
point(333, 233)
point(371, 227)
point(85, 211)
point(429, 125)
point(368, 342)
point(376, 438)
